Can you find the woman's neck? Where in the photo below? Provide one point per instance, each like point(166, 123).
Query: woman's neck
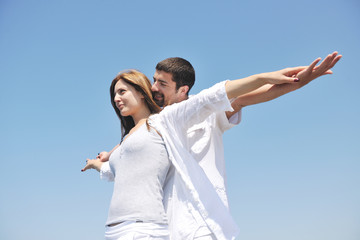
point(141, 116)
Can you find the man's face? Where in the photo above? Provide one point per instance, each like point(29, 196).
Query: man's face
point(164, 89)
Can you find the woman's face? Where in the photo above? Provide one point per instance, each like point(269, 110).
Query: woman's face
point(127, 99)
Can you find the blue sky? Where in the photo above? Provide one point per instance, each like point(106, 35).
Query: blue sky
point(293, 163)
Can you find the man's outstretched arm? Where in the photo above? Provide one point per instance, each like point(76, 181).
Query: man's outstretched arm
point(271, 91)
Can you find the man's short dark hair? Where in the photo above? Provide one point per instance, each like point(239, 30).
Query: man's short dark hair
point(182, 71)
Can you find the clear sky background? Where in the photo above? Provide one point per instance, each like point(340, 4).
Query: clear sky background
point(293, 163)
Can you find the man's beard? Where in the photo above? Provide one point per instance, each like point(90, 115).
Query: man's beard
point(159, 102)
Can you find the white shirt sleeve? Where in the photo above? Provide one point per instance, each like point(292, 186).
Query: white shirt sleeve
point(196, 109)
point(236, 118)
point(224, 123)
point(106, 173)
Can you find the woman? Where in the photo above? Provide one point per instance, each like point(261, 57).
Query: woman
point(151, 146)
point(136, 174)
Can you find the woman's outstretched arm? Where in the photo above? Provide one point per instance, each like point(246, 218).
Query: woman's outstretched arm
point(236, 88)
point(93, 164)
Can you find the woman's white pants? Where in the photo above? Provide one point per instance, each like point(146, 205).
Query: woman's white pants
point(131, 230)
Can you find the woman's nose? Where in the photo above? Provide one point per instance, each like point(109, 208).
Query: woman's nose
point(117, 98)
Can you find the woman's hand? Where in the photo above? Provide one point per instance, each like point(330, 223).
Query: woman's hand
point(303, 75)
point(103, 156)
point(312, 71)
point(93, 164)
point(287, 75)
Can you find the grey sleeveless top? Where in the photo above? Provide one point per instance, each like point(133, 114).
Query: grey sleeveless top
point(140, 165)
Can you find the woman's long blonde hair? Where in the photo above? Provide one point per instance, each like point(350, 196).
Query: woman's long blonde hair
point(141, 84)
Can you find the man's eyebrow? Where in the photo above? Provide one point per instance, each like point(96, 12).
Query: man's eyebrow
point(161, 81)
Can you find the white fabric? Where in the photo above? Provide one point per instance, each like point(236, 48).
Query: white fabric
point(204, 234)
point(205, 143)
point(189, 189)
point(130, 230)
point(205, 237)
point(106, 173)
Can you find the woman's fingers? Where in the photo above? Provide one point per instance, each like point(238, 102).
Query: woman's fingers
point(328, 63)
point(336, 59)
point(87, 166)
point(313, 65)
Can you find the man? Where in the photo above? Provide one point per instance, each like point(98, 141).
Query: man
point(173, 80)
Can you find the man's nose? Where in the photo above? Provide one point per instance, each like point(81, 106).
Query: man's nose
point(154, 87)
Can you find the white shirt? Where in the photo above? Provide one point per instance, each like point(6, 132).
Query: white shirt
point(205, 143)
point(190, 187)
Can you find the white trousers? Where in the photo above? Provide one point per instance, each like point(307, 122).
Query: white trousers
point(130, 230)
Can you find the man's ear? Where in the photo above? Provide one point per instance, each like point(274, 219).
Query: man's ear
point(184, 90)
